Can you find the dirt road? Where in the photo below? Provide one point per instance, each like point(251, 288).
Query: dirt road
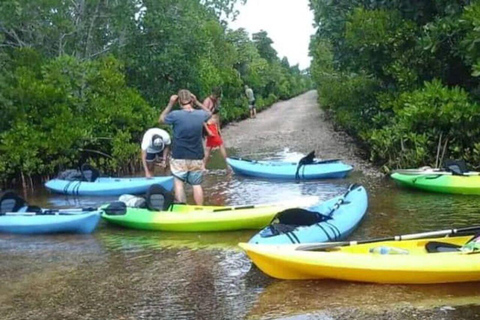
point(298, 124)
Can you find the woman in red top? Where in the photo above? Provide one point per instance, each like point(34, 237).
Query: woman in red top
point(214, 140)
point(212, 126)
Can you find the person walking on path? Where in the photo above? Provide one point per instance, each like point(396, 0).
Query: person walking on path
point(251, 102)
point(155, 149)
point(186, 163)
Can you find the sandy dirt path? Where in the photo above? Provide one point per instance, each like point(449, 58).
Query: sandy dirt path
point(298, 124)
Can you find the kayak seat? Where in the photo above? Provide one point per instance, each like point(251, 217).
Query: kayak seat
point(158, 199)
point(290, 219)
point(436, 246)
point(456, 167)
point(70, 175)
point(10, 202)
point(89, 173)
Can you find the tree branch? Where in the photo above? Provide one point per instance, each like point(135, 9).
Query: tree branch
point(89, 33)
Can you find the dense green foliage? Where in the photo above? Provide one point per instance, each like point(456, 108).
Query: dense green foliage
point(402, 76)
point(82, 80)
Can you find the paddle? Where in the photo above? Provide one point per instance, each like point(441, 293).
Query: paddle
point(430, 234)
point(49, 212)
point(113, 208)
point(120, 208)
point(314, 162)
point(433, 172)
point(326, 161)
point(305, 201)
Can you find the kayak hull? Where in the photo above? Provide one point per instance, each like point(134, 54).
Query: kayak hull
point(108, 186)
point(66, 222)
point(351, 209)
point(444, 183)
point(355, 263)
point(184, 218)
point(287, 170)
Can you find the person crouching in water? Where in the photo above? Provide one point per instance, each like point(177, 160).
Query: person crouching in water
point(186, 163)
point(155, 149)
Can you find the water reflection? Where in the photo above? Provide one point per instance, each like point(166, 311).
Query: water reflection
point(282, 298)
point(118, 239)
point(118, 273)
point(400, 210)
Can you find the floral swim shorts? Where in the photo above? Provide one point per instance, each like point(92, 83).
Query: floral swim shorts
point(189, 171)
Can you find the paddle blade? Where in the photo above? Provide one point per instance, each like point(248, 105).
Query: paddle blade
point(116, 208)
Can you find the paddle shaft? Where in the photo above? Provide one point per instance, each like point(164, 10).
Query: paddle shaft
point(315, 161)
point(120, 208)
point(277, 204)
point(412, 236)
point(50, 212)
point(434, 173)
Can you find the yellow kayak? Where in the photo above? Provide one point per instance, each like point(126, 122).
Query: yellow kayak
point(410, 261)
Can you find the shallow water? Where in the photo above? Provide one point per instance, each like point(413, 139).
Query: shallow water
point(118, 273)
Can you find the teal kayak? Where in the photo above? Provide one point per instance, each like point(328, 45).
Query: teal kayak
point(16, 216)
point(331, 220)
point(318, 169)
point(108, 186)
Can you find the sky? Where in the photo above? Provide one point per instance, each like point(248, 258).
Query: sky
point(289, 23)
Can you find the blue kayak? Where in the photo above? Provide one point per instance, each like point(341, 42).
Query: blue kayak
point(108, 186)
point(53, 222)
point(327, 169)
point(331, 220)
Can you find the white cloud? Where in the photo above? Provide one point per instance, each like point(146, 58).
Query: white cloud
point(289, 23)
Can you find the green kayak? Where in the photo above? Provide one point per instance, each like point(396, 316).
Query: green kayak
point(443, 182)
point(187, 218)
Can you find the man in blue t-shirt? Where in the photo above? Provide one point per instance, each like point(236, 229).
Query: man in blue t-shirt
point(187, 151)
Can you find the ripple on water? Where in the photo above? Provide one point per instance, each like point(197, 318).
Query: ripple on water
point(119, 273)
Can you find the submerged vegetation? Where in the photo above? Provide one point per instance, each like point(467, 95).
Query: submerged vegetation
point(82, 80)
point(401, 76)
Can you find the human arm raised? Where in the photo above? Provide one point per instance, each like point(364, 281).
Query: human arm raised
point(197, 103)
point(208, 103)
point(171, 103)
